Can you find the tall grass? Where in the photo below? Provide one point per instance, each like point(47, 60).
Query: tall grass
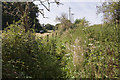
point(94, 51)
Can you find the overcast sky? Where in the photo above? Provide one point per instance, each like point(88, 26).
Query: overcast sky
point(80, 9)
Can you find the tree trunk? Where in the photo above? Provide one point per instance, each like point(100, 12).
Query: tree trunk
point(24, 15)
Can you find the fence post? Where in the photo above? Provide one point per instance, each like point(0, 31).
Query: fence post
point(47, 38)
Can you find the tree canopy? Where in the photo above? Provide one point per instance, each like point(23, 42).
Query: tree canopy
point(49, 27)
point(64, 21)
point(110, 10)
point(10, 14)
point(82, 21)
point(25, 11)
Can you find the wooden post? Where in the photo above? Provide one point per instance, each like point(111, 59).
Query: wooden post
point(47, 38)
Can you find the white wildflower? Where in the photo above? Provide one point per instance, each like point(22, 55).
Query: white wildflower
point(90, 44)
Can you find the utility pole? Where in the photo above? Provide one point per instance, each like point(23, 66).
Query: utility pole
point(70, 13)
point(72, 17)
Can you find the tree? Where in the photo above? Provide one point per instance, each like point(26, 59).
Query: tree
point(110, 10)
point(9, 17)
point(64, 21)
point(49, 27)
point(82, 21)
point(22, 10)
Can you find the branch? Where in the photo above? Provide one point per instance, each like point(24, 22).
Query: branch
point(42, 12)
point(45, 5)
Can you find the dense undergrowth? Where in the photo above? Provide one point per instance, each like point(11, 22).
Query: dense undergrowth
point(94, 50)
point(80, 52)
point(26, 57)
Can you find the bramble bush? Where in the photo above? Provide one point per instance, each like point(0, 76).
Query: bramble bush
point(23, 56)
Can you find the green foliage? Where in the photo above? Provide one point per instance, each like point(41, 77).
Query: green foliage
point(111, 10)
point(11, 13)
point(26, 57)
point(77, 52)
point(96, 48)
point(103, 54)
point(49, 27)
point(65, 23)
point(7, 18)
point(99, 48)
point(82, 21)
point(81, 52)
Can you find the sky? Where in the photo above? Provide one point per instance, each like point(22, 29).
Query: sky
point(80, 9)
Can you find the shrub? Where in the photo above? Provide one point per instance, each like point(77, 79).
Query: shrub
point(23, 56)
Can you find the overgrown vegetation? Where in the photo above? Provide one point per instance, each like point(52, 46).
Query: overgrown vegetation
point(94, 51)
point(27, 57)
point(74, 50)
